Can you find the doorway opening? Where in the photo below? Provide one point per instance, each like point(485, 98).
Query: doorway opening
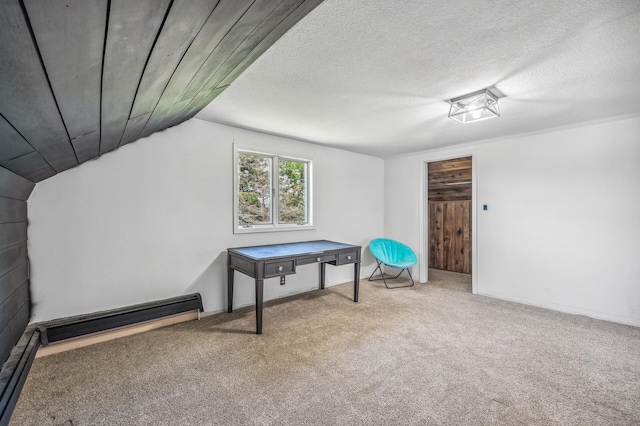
point(449, 225)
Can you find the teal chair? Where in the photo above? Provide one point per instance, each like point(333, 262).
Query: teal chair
point(392, 253)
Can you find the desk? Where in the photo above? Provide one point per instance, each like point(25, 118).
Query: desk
point(279, 260)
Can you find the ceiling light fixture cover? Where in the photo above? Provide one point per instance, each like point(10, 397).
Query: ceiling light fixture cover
point(475, 106)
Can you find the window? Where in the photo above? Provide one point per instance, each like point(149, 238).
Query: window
point(260, 179)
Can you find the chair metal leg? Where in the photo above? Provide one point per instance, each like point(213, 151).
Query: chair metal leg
point(374, 271)
point(385, 281)
point(412, 283)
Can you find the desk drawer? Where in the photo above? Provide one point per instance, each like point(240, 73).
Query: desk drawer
point(348, 257)
point(317, 259)
point(276, 269)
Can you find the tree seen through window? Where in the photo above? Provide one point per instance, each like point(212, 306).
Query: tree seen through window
point(256, 190)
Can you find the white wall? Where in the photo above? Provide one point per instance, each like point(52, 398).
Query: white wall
point(562, 228)
point(154, 219)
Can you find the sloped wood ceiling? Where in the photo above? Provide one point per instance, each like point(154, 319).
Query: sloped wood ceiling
point(79, 78)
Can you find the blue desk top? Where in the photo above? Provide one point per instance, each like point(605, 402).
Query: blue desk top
point(290, 249)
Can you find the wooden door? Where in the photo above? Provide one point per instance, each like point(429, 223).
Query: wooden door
point(450, 215)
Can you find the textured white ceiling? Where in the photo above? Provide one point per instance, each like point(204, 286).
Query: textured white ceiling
point(375, 76)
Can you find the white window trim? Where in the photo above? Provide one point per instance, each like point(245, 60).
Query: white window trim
point(273, 227)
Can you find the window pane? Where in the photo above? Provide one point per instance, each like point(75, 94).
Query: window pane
point(293, 192)
point(254, 189)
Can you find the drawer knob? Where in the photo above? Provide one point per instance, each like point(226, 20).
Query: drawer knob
point(280, 268)
point(319, 259)
point(348, 257)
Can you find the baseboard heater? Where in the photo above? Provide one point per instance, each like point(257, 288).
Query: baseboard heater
point(67, 328)
point(14, 371)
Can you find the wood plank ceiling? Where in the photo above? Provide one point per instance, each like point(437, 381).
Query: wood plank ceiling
point(79, 78)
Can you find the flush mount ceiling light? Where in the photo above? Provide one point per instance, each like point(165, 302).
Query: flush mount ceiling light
point(475, 106)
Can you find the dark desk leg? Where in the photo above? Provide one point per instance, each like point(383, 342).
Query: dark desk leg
point(356, 281)
point(259, 305)
point(322, 274)
point(230, 289)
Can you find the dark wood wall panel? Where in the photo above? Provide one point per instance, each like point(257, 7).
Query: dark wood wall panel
point(258, 11)
point(17, 298)
point(26, 100)
point(289, 21)
point(183, 23)
point(450, 176)
point(203, 88)
point(449, 184)
point(209, 92)
point(450, 193)
point(14, 308)
point(12, 257)
point(30, 166)
point(213, 77)
point(14, 186)
point(133, 27)
point(450, 180)
point(436, 235)
point(12, 234)
point(12, 280)
point(14, 285)
point(80, 78)
point(449, 236)
point(10, 334)
point(450, 165)
point(185, 20)
point(12, 210)
point(194, 106)
point(13, 144)
point(220, 22)
point(70, 37)
point(133, 128)
point(255, 36)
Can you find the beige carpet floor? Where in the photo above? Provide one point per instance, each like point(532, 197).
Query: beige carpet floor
point(433, 354)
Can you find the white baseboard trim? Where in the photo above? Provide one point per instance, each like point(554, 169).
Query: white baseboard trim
point(566, 309)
